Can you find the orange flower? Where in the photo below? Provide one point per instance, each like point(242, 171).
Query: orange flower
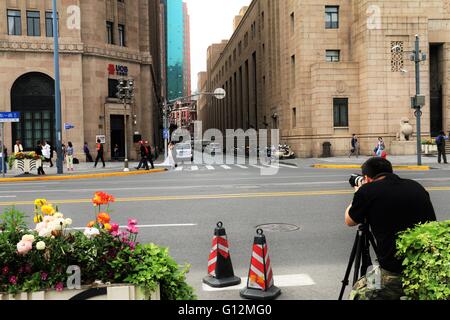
point(91, 224)
point(103, 218)
point(101, 198)
point(107, 226)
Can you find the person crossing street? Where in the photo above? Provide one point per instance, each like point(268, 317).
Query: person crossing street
point(144, 156)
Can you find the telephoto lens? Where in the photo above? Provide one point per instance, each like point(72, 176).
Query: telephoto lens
point(356, 180)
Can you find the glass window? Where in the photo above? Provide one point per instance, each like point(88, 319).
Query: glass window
point(122, 35)
point(109, 32)
point(333, 55)
point(331, 17)
point(112, 87)
point(33, 23)
point(340, 111)
point(49, 24)
point(14, 23)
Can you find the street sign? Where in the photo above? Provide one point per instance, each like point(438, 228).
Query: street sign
point(9, 116)
point(166, 134)
point(68, 126)
point(102, 139)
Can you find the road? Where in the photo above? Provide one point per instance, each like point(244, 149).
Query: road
point(180, 209)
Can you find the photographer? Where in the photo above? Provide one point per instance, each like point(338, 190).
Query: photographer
point(389, 204)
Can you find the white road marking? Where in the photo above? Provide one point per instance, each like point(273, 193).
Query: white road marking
point(241, 166)
point(8, 196)
point(292, 280)
point(180, 168)
point(194, 168)
point(151, 226)
point(210, 168)
point(226, 167)
point(255, 166)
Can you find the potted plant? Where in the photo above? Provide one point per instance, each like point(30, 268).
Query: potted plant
point(428, 146)
point(425, 251)
point(105, 258)
point(25, 161)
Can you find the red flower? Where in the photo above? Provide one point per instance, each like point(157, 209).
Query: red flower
point(102, 198)
point(13, 280)
point(59, 286)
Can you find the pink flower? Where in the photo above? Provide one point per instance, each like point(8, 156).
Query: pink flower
point(114, 227)
point(44, 276)
point(124, 236)
point(13, 280)
point(133, 229)
point(132, 245)
point(27, 268)
point(132, 222)
point(59, 286)
point(23, 247)
point(5, 270)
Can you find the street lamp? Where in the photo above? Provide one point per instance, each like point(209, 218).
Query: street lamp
point(219, 94)
point(418, 101)
point(125, 92)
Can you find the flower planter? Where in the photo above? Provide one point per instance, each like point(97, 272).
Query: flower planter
point(26, 165)
point(105, 292)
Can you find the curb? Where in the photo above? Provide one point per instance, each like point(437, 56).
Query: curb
point(82, 176)
point(355, 166)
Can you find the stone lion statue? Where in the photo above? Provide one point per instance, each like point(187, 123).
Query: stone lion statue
point(406, 130)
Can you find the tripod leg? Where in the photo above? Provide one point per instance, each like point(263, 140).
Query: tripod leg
point(365, 255)
point(359, 248)
point(349, 266)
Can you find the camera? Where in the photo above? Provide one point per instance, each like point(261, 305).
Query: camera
point(356, 180)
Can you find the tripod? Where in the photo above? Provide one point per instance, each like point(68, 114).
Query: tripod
point(360, 255)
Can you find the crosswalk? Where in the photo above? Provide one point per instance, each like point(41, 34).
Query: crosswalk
point(223, 167)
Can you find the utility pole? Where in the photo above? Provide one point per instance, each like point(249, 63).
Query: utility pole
point(125, 92)
point(59, 160)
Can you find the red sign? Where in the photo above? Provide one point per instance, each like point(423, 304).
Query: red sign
point(117, 69)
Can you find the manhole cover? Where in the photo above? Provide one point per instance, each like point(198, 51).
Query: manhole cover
point(278, 227)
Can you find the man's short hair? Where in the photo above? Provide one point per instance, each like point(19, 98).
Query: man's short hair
point(376, 166)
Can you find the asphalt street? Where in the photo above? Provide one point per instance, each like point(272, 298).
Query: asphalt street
point(179, 209)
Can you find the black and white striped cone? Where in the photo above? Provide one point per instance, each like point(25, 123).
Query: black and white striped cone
point(220, 268)
point(260, 284)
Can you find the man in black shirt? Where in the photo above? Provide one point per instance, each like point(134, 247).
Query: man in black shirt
point(389, 204)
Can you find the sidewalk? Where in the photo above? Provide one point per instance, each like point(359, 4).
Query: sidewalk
point(81, 171)
point(395, 160)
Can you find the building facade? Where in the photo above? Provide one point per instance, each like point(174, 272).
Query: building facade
point(187, 52)
point(100, 42)
point(320, 71)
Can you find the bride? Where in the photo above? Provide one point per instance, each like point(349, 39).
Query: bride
point(169, 162)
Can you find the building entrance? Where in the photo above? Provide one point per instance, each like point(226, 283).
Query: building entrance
point(436, 82)
point(117, 136)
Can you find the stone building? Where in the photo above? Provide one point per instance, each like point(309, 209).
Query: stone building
point(322, 70)
point(100, 42)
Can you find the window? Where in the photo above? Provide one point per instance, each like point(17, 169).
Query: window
point(333, 55)
point(292, 23)
point(33, 23)
point(262, 20)
point(14, 23)
point(293, 71)
point(109, 32)
point(112, 87)
point(49, 24)
point(397, 62)
point(294, 117)
point(122, 42)
point(340, 111)
point(331, 17)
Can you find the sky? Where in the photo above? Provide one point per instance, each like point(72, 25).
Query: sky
point(211, 22)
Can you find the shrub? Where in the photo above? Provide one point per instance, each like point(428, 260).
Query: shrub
point(426, 253)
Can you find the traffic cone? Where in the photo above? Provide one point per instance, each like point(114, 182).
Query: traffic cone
point(260, 284)
point(220, 269)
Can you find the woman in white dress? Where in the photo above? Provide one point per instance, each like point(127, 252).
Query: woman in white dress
point(169, 162)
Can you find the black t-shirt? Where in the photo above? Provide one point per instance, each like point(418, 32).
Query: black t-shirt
point(391, 205)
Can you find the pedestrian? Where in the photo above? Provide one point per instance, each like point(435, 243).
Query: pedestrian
point(87, 153)
point(69, 156)
point(52, 151)
point(440, 142)
point(46, 152)
point(18, 147)
point(38, 151)
point(116, 152)
point(380, 147)
point(63, 150)
point(99, 154)
point(355, 146)
point(144, 156)
point(150, 154)
point(4, 157)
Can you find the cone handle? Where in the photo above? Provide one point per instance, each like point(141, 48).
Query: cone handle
point(260, 232)
point(220, 224)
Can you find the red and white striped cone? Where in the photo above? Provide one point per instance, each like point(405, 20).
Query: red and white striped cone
point(260, 284)
point(220, 268)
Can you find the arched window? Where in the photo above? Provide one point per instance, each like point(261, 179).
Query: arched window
point(33, 95)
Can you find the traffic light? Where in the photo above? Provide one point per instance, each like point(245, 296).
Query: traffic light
point(121, 89)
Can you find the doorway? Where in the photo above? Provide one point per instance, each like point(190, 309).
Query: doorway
point(117, 136)
point(436, 82)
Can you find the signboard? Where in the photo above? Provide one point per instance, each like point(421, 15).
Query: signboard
point(9, 116)
point(68, 126)
point(102, 139)
point(166, 134)
point(117, 70)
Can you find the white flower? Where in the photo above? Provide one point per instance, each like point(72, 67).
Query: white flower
point(45, 232)
point(91, 232)
point(68, 222)
point(58, 215)
point(28, 237)
point(40, 245)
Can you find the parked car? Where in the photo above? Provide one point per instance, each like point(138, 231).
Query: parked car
point(184, 152)
point(214, 148)
point(284, 152)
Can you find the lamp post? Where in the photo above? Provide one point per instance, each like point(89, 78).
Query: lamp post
point(219, 94)
point(59, 159)
point(125, 92)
